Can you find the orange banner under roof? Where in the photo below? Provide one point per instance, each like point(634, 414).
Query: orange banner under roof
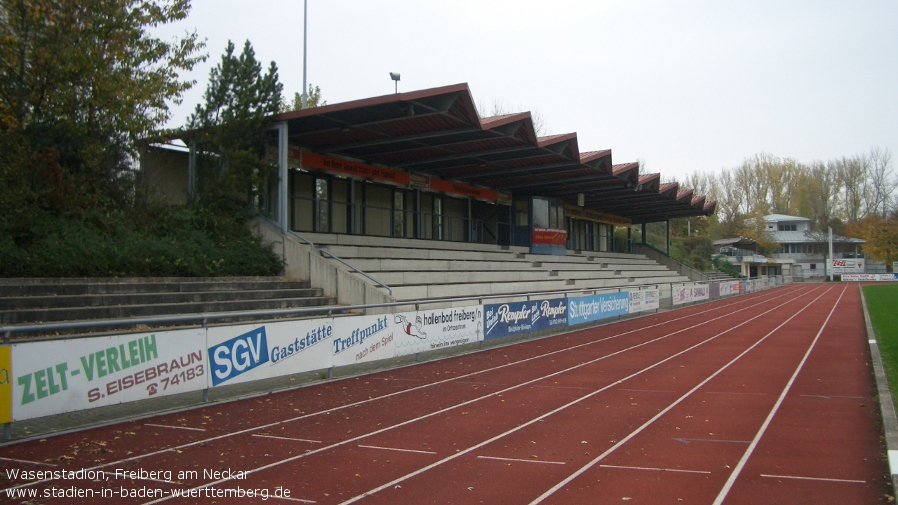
point(313, 160)
point(594, 215)
point(462, 189)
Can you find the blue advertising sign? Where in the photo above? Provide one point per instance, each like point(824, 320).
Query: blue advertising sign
point(507, 319)
point(593, 308)
point(238, 355)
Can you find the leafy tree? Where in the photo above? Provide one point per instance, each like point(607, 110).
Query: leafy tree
point(81, 81)
point(881, 236)
point(229, 128)
point(312, 100)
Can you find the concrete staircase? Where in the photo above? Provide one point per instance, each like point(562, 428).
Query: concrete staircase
point(719, 276)
point(421, 269)
point(33, 301)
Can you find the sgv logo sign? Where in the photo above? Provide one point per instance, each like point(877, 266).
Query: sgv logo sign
point(238, 355)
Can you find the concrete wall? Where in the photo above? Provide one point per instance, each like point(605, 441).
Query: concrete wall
point(303, 262)
point(163, 175)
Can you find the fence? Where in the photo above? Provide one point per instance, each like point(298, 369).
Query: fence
point(54, 376)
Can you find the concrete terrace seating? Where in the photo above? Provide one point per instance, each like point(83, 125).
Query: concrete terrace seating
point(424, 269)
point(34, 301)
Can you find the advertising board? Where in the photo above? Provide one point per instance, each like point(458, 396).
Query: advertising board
point(60, 376)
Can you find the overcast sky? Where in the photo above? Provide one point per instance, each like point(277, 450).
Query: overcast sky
point(680, 85)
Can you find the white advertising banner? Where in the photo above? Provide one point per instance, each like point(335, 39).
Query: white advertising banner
point(250, 352)
point(649, 299)
point(689, 294)
point(67, 375)
point(427, 330)
point(363, 338)
point(846, 266)
point(730, 288)
point(870, 277)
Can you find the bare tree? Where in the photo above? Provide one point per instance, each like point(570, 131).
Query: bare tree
point(730, 197)
point(822, 188)
point(853, 176)
point(883, 182)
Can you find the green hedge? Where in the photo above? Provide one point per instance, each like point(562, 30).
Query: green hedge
point(204, 240)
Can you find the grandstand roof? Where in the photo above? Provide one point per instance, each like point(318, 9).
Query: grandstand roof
point(438, 132)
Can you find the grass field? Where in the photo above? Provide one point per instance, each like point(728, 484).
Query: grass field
point(882, 303)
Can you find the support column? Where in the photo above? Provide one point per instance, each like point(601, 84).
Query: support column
point(191, 170)
point(282, 175)
point(667, 232)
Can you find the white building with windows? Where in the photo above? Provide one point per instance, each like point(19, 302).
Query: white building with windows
point(808, 248)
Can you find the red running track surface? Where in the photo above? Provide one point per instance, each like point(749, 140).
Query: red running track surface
point(765, 398)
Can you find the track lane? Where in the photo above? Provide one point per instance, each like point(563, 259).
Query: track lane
point(262, 404)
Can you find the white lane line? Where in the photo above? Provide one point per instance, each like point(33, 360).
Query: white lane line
point(26, 462)
point(395, 449)
point(173, 427)
point(679, 470)
point(502, 391)
point(289, 438)
point(522, 460)
point(557, 387)
point(735, 302)
point(754, 443)
point(849, 481)
point(733, 393)
point(830, 397)
point(688, 440)
point(675, 403)
point(585, 397)
point(287, 498)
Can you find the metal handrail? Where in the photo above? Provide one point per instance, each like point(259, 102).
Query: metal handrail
point(211, 316)
point(323, 251)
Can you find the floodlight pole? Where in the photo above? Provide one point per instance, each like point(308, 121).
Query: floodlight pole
point(305, 31)
point(830, 262)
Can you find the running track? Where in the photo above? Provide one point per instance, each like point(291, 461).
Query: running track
point(764, 398)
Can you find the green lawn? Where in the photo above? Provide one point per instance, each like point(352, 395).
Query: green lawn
point(882, 303)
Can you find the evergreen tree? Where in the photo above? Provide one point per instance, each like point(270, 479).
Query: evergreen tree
point(229, 128)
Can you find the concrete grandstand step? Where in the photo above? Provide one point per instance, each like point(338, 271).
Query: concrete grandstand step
point(89, 302)
point(425, 291)
point(325, 239)
point(143, 298)
point(350, 252)
point(43, 315)
point(89, 286)
point(396, 265)
point(460, 276)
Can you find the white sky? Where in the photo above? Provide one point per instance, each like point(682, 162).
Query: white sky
point(681, 85)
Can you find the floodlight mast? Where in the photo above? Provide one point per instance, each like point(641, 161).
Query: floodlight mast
point(305, 32)
point(395, 77)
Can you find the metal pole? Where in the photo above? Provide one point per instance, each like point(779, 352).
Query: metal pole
point(305, 31)
point(829, 262)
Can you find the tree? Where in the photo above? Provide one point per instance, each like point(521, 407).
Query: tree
point(853, 176)
point(880, 236)
point(820, 190)
point(82, 81)
point(755, 228)
point(229, 128)
point(882, 182)
point(312, 100)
